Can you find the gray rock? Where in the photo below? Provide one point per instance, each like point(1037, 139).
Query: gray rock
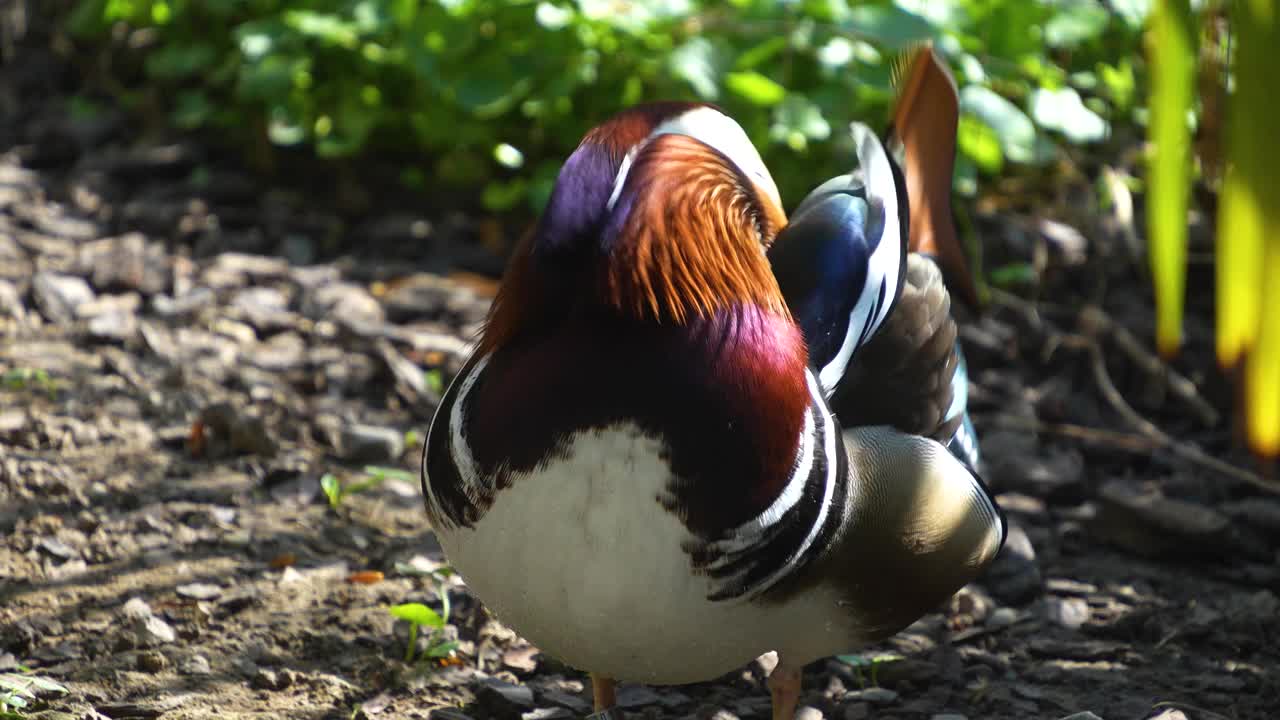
point(874, 695)
point(637, 696)
point(1263, 514)
point(195, 665)
point(117, 326)
point(147, 628)
point(1148, 523)
point(152, 661)
point(857, 711)
point(443, 713)
point(266, 308)
point(573, 703)
point(11, 302)
point(199, 591)
point(501, 699)
point(371, 444)
point(1014, 576)
point(58, 296)
point(126, 262)
point(345, 304)
point(1071, 612)
point(555, 713)
point(58, 549)
point(807, 712)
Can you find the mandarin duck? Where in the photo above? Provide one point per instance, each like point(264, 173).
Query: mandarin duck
point(693, 432)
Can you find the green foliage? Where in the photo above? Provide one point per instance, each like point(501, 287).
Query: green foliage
point(18, 690)
point(24, 378)
point(419, 615)
point(336, 491)
point(491, 95)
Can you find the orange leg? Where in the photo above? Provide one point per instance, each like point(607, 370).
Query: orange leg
point(602, 692)
point(784, 688)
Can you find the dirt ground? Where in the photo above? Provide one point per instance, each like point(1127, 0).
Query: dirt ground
point(186, 351)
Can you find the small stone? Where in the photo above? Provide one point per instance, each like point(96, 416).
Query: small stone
point(199, 591)
point(195, 665)
point(265, 679)
point(371, 444)
point(1071, 612)
point(152, 661)
point(58, 296)
point(346, 304)
point(11, 302)
point(1148, 523)
point(448, 714)
point(1168, 714)
point(875, 695)
point(573, 703)
point(58, 549)
point(136, 608)
point(556, 713)
point(1262, 514)
point(1014, 576)
point(970, 601)
point(502, 699)
point(522, 659)
point(637, 696)
point(809, 713)
point(155, 630)
point(857, 711)
point(117, 326)
point(1002, 618)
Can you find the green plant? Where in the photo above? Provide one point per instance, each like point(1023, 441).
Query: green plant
point(374, 475)
point(24, 378)
point(491, 95)
point(16, 692)
point(419, 615)
point(870, 664)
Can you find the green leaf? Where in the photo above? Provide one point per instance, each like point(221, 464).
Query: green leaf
point(173, 62)
point(1063, 110)
point(755, 88)
point(1016, 132)
point(394, 473)
point(442, 650)
point(694, 62)
point(418, 614)
point(332, 488)
point(1076, 23)
point(888, 25)
point(500, 196)
point(980, 143)
point(326, 27)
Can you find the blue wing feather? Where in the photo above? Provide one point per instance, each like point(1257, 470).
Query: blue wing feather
point(841, 290)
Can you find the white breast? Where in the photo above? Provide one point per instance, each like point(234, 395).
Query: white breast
point(582, 559)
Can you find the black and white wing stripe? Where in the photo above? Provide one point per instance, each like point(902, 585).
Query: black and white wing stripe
point(783, 539)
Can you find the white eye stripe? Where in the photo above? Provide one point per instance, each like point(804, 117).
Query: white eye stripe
point(717, 130)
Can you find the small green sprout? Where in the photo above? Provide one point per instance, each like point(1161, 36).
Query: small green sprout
point(411, 438)
point(24, 377)
point(434, 380)
point(870, 662)
point(419, 615)
point(16, 692)
point(337, 491)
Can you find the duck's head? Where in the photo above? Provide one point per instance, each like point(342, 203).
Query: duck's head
point(661, 214)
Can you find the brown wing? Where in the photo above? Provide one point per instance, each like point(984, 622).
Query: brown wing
point(903, 376)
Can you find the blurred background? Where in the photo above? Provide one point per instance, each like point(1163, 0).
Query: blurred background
point(246, 244)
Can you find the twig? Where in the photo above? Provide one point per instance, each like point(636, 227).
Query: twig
point(1148, 362)
point(1137, 444)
